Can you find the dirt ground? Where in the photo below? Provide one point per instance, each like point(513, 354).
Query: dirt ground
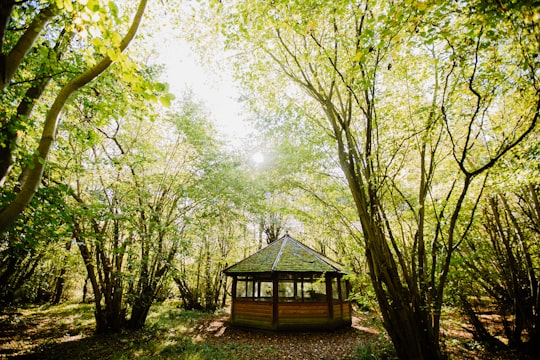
point(323, 345)
point(40, 336)
point(339, 344)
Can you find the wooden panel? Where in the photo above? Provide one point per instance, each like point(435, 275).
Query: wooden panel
point(303, 313)
point(252, 313)
point(337, 311)
point(290, 316)
point(347, 311)
point(260, 307)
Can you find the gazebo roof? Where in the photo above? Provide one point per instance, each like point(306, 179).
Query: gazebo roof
point(285, 255)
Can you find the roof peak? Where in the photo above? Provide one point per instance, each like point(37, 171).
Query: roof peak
point(285, 255)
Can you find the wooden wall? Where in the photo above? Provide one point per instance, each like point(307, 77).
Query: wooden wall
point(291, 316)
point(252, 313)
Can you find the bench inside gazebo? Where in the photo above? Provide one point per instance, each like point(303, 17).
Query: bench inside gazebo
point(289, 286)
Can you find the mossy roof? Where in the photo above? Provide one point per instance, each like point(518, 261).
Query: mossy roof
point(285, 255)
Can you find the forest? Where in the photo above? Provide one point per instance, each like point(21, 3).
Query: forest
point(397, 137)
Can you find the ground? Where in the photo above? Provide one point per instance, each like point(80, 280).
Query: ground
point(327, 345)
point(66, 331)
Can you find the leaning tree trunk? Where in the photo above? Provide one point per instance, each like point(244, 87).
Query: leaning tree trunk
point(29, 186)
point(145, 297)
point(406, 311)
point(407, 322)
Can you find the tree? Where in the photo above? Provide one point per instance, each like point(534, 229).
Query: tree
point(30, 269)
point(16, 60)
point(413, 142)
point(499, 259)
point(224, 197)
point(126, 174)
point(510, 279)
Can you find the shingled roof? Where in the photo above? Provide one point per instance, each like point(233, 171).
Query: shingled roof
point(285, 255)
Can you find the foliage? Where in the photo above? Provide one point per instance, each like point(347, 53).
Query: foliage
point(380, 349)
point(29, 270)
point(49, 52)
point(509, 281)
point(132, 209)
point(414, 152)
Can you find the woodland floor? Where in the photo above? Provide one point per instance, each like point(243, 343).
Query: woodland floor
point(66, 332)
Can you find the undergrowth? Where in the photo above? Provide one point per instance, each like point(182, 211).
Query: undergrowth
point(52, 332)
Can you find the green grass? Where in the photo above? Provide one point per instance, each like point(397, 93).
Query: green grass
point(380, 349)
point(52, 332)
point(69, 329)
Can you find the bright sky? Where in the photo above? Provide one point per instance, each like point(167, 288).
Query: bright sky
point(217, 91)
point(212, 84)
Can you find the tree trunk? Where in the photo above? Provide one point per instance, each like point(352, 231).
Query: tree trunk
point(9, 214)
point(11, 61)
point(60, 280)
point(407, 325)
point(59, 287)
point(480, 332)
point(141, 307)
point(24, 110)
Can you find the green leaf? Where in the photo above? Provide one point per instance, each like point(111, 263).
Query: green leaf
point(113, 8)
point(165, 101)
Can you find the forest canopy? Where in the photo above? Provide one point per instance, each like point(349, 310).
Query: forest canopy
point(397, 136)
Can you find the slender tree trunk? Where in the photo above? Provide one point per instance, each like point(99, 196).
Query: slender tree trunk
point(85, 289)
point(60, 280)
point(10, 61)
point(59, 287)
point(480, 332)
point(24, 110)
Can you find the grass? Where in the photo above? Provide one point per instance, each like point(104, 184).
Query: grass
point(68, 329)
point(381, 348)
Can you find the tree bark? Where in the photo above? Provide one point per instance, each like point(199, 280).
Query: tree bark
point(24, 110)
point(10, 62)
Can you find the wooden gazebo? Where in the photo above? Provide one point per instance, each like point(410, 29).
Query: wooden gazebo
point(288, 286)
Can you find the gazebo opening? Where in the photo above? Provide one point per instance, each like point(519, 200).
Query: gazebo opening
point(287, 286)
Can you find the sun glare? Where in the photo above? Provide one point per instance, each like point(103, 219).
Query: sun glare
point(258, 158)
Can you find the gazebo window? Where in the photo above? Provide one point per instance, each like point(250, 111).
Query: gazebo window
point(266, 290)
point(314, 289)
point(251, 288)
point(344, 290)
point(301, 288)
point(287, 290)
point(335, 289)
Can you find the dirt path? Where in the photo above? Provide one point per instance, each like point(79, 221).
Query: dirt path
point(321, 345)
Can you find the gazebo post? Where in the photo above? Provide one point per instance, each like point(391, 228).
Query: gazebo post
point(340, 295)
point(233, 298)
point(275, 300)
point(328, 280)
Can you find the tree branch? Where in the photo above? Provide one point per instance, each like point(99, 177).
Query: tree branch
point(10, 62)
point(28, 189)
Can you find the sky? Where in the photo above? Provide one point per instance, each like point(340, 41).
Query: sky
point(183, 71)
point(163, 42)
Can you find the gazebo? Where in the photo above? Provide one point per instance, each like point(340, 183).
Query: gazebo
point(288, 286)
